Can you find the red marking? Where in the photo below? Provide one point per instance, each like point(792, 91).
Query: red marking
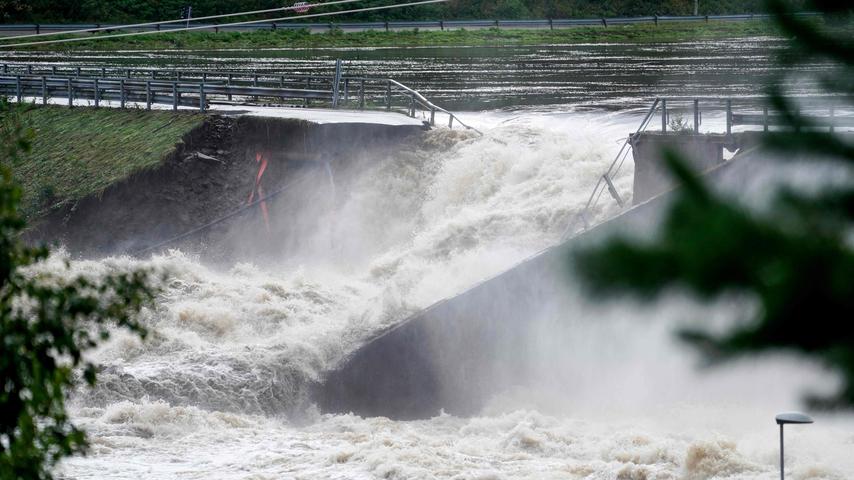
point(260, 157)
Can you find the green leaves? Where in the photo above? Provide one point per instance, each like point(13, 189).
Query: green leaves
point(796, 259)
point(47, 322)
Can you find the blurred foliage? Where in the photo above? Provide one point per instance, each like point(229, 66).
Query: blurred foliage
point(796, 259)
point(114, 11)
point(47, 322)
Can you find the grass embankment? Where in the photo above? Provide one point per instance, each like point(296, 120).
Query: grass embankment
point(664, 32)
point(81, 151)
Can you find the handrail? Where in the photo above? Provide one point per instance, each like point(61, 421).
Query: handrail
point(430, 105)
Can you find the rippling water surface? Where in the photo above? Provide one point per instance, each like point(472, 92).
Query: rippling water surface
point(219, 389)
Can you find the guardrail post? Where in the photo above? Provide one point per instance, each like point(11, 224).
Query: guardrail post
point(255, 84)
point(412, 105)
point(103, 71)
point(202, 97)
point(663, 115)
point(38, 29)
point(388, 95)
point(273, 27)
point(5, 68)
point(696, 116)
point(174, 96)
point(386, 26)
point(228, 84)
point(335, 83)
point(29, 69)
point(78, 71)
point(307, 87)
point(442, 25)
point(97, 96)
point(346, 90)
point(432, 117)
point(18, 88)
point(362, 94)
point(605, 23)
point(44, 90)
point(53, 70)
point(451, 121)
point(655, 19)
point(122, 93)
point(70, 94)
point(551, 24)
point(148, 94)
point(764, 119)
point(728, 116)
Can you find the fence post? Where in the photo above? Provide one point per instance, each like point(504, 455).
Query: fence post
point(696, 116)
point(663, 115)
point(728, 116)
point(335, 83)
point(122, 93)
point(388, 95)
point(202, 97)
point(174, 96)
point(44, 90)
point(70, 94)
point(97, 96)
point(18, 87)
point(148, 94)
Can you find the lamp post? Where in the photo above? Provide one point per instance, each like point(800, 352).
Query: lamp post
point(784, 418)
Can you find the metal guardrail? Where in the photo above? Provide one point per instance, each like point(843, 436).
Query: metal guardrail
point(201, 88)
point(399, 25)
point(819, 111)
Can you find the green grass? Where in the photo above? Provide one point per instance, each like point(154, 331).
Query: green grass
point(665, 32)
point(81, 151)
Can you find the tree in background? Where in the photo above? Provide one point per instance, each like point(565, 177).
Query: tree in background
point(120, 11)
point(796, 260)
point(47, 322)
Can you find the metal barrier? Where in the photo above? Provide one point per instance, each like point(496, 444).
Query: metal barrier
point(201, 88)
point(818, 111)
point(398, 25)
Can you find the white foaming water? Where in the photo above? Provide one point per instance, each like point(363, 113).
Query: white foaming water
point(218, 391)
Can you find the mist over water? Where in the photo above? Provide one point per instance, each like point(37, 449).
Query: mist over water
point(219, 390)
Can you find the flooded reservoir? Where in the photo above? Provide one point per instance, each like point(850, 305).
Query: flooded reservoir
point(221, 389)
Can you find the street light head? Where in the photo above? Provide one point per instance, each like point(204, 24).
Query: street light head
point(792, 417)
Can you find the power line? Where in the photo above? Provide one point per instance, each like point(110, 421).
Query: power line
point(197, 19)
point(207, 27)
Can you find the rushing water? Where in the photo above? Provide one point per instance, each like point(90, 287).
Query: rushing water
point(219, 389)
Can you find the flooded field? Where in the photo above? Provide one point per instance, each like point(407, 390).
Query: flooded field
point(550, 78)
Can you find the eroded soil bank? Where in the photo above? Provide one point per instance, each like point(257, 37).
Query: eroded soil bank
point(217, 170)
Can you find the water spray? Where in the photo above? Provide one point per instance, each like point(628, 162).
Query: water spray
point(782, 419)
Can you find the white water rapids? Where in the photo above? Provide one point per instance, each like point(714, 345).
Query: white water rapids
point(218, 389)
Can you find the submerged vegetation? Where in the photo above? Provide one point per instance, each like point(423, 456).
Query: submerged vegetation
point(281, 38)
point(81, 151)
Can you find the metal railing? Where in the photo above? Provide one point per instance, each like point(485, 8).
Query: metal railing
point(400, 25)
point(202, 88)
point(824, 112)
